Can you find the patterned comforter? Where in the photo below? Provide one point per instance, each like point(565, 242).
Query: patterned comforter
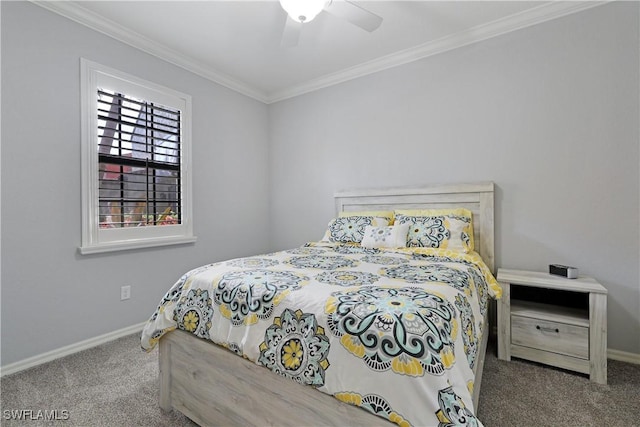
point(394, 331)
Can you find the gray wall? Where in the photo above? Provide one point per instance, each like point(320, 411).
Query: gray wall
point(51, 296)
point(549, 113)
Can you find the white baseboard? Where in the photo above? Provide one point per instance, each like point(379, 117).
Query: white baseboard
point(30, 362)
point(623, 356)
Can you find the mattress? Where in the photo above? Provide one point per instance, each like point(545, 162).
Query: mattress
point(394, 331)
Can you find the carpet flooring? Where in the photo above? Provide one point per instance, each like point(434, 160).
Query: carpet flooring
point(116, 384)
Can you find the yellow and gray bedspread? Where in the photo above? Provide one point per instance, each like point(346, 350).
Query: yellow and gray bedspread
point(394, 331)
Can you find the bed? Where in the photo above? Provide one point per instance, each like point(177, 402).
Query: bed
point(233, 353)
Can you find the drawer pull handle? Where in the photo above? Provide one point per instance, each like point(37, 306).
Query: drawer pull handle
point(556, 330)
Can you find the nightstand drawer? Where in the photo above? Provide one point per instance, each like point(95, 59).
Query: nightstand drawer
point(550, 336)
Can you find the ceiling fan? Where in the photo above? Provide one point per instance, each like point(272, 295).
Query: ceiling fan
point(303, 11)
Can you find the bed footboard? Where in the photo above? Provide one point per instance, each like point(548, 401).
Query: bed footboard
point(213, 386)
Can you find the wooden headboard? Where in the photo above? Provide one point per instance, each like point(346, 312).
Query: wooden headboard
point(477, 197)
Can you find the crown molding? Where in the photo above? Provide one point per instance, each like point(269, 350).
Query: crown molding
point(545, 12)
point(83, 16)
point(537, 15)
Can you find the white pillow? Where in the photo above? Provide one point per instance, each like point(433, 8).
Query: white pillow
point(385, 237)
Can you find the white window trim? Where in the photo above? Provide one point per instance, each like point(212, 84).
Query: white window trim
point(94, 239)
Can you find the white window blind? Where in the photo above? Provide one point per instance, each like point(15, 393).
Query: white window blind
point(139, 162)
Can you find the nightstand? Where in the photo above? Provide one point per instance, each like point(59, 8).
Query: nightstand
point(553, 320)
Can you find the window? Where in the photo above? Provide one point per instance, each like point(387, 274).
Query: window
point(138, 162)
point(135, 162)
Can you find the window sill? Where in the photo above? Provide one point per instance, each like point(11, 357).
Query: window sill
point(135, 244)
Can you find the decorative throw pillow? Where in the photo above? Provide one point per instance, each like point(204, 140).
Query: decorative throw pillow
point(438, 228)
point(394, 236)
point(350, 229)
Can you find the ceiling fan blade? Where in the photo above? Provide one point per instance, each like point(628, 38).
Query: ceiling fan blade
point(355, 14)
point(290, 33)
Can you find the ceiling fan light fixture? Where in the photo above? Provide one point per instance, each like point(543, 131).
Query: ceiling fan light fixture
point(303, 10)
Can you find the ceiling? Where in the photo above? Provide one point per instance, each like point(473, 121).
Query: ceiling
point(237, 43)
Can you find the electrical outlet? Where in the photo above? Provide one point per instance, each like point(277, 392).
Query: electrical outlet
point(125, 292)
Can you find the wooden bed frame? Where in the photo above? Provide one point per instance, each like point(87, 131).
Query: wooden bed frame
point(213, 386)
